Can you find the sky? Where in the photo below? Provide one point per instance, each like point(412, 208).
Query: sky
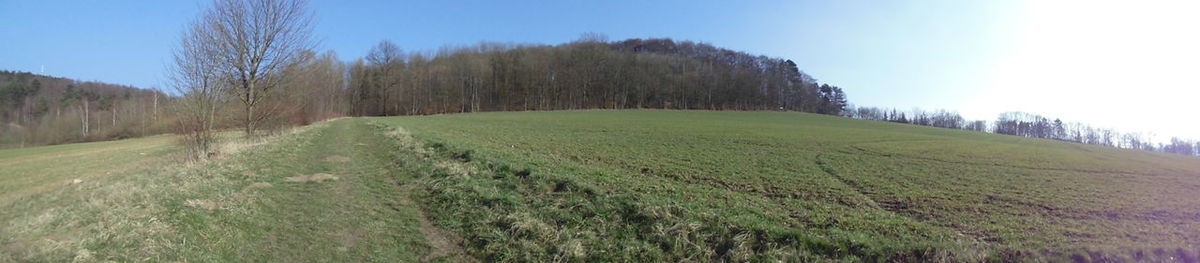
point(1129, 65)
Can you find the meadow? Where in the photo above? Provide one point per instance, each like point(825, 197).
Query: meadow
point(325, 192)
point(695, 185)
point(629, 185)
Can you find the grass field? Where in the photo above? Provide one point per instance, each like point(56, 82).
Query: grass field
point(670, 185)
point(325, 193)
point(600, 186)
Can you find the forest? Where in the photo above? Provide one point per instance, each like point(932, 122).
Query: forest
point(39, 110)
point(590, 73)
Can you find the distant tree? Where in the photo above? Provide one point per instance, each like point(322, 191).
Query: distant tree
point(386, 58)
point(317, 83)
point(81, 98)
point(833, 100)
point(979, 126)
point(1059, 131)
point(11, 95)
point(43, 106)
point(1179, 146)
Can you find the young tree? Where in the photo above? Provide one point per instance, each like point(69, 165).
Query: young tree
point(197, 75)
point(254, 41)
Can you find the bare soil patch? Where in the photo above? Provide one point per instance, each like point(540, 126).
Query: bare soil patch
point(349, 237)
point(443, 244)
point(259, 185)
point(202, 204)
point(337, 159)
point(317, 177)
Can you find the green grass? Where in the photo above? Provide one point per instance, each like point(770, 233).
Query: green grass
point(599, 186)
point(239, 208)
point(29, 170)
point(690, 185)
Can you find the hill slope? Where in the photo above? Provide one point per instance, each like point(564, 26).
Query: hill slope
point(38, 110)
point(326, 193)
point(599, 186)
point(745, 185)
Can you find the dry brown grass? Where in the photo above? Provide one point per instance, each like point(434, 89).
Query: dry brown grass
point(120, 204)
point(337, 159)
point(317, 177)
point(258, 185)
point(203, 204)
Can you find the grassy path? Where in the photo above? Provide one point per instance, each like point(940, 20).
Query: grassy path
point(331, 196)
point(331, 192)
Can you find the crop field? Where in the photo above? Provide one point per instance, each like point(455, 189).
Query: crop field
point(672, 185)
point(630, 185)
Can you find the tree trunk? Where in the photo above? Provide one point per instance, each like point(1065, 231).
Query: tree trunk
point(250, 101)
point(84, 118)
point(155, 116)
point(249, 120)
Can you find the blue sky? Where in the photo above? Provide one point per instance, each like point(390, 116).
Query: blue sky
point(1072, 59)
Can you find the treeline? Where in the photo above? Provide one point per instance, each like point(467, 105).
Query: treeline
point(40, 110)
point(1029, 125)
point(589, 73)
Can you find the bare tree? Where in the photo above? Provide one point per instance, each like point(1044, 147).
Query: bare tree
point(386, 58)
point(197, 75)
point(316, 87)
point(254, 41)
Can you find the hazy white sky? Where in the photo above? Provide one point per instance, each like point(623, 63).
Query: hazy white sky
point(1133, 65)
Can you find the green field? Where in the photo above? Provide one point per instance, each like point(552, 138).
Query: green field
point(754, 185)
point(600, 186)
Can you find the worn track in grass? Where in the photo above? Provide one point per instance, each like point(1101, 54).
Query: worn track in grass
point(327, 193)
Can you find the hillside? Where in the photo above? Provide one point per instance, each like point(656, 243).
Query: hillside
point(755, 185)
point(631, 185)
point(589, 73)
point(38, 110)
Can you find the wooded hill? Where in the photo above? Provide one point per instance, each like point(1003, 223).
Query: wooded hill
point(37, 109)
point(589, 73)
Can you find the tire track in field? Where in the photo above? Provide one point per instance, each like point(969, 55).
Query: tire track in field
point(1164, 217)
point(895, 207)
point(820, 161)
point(865, 151)
point(443, 244)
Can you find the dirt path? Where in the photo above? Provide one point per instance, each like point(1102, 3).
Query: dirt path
point(333, 194)
point(444, 246)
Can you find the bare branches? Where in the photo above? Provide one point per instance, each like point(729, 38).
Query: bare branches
point(254, 41)
point(236, 48)
point(197, 75)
